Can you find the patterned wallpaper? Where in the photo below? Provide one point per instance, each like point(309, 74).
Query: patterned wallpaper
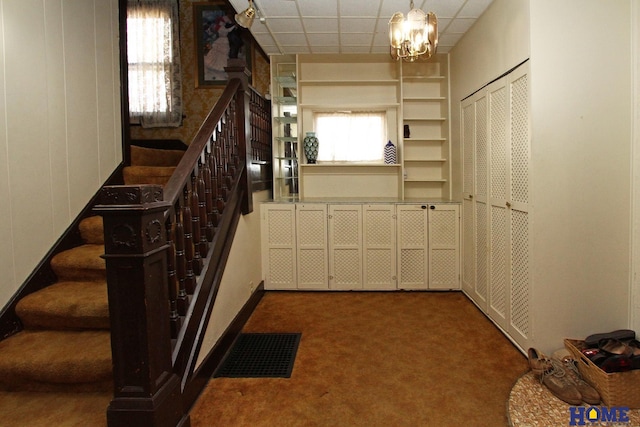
point(198, 101)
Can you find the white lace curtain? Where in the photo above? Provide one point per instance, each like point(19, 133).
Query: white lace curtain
point(153, 50)
point(351, 137)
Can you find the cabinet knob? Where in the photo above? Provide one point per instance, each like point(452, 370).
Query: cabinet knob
point(508, 204)
point(432, 207)
point(423, 207)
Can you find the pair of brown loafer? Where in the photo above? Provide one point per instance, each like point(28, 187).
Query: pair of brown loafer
point(562, 378)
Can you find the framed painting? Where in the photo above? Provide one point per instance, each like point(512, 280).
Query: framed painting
point(217, 38)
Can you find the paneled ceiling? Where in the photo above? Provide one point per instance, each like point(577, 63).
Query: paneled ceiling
point(350, 26)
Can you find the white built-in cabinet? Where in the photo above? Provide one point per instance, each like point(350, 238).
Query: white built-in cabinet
point(361, 246)
point(496, 205)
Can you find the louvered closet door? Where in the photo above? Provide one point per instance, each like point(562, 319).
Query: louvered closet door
point(379, 247)
point(413, 256)
point(475, 198)
point(279, 245)
point(345, 247)
point(312, 246)
point(519, 218)
point(498, 93)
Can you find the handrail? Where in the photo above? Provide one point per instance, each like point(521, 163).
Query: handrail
point(171, 244)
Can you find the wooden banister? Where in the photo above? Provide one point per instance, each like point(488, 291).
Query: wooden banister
point(165, 250)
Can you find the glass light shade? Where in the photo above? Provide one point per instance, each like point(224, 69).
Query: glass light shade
point(413, 38)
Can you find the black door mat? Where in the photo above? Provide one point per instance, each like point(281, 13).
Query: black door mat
point(260, 356)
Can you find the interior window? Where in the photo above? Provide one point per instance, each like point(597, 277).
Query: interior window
point(155, 94)
point(351, 136)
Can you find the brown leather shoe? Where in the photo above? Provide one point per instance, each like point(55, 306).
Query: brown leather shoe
point(538, 362)
point(558, 382)
point(589, 394)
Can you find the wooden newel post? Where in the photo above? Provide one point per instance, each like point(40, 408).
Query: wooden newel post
point(146, 391)
point(237, 69)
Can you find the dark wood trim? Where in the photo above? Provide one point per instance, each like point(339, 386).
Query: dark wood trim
point(211, 362)
point(42, 275)
point(124, 83)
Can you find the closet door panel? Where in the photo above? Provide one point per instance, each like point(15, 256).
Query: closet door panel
point(520, 206)
point(499, 202)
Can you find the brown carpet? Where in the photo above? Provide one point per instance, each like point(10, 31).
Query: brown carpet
point(373, 359)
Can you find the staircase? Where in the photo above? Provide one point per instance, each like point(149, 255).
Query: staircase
point(115, 340)
point(58, 369)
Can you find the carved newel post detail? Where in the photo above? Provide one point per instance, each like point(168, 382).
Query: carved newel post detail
point(146, 391)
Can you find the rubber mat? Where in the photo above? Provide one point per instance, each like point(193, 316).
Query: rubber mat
point(264, 355)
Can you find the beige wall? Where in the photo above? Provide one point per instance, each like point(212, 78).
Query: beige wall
point(60, 130)
point(581, 157)
point(198, 101)
point(581, 121)
point(242, 275)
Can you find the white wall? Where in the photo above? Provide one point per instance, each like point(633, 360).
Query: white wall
point(60, 130)
point(581, 155)
point(242, 275)
point(581, 122)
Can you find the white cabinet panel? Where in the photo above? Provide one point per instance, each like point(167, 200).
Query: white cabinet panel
point(413, 262)
point(279, 245)
point(444, 247)
point(311, 225)
point(345, 247)
point(379, 247)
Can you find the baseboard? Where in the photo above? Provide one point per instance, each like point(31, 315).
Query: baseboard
point(203, 374)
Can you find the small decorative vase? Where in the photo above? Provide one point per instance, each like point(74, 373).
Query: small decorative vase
point(310, 144)
point(390, 153)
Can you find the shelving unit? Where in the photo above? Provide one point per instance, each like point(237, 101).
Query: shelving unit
point(412, 94)
point(284, 105)
point(425, 110)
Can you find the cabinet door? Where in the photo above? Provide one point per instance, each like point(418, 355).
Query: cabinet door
point(345, 247)
point(444, 244)
point(379, 247)
point(279, 245)
point(312, 246)
point(412, 237)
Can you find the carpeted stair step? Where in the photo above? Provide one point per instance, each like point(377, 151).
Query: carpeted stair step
point(143, 156)
point(134, 175)
point(82, 263)
point(73, 361)
point(20, 409)
point(92, 230)
point(66, 305)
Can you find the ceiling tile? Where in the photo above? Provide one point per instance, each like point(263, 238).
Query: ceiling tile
point(269, 8)
point(326, 39)
point(355, 25)
point(317, 8)
point(460, 25)
point(320, 25)
point(292, 39)
point(285, 25)
point(356, 39)
point(474, 8)
point(361, 8)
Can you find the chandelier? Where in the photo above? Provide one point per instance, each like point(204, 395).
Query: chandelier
point(415, 37)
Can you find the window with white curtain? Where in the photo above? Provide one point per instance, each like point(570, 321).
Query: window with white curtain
point(153, 50)
point(351, 136)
